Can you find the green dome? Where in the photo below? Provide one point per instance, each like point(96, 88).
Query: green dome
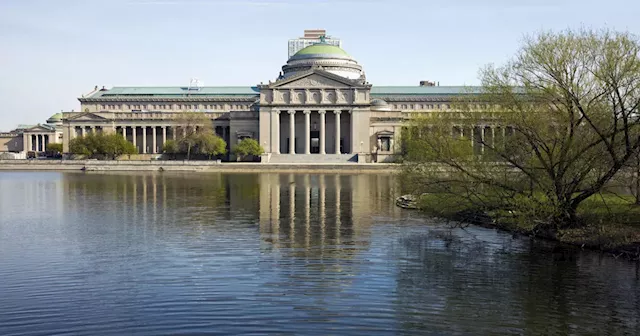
point(322, 49)
point(57, 116)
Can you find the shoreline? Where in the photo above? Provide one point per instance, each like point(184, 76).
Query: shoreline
point(586, 238)
point(191, 166)
point(630, 251)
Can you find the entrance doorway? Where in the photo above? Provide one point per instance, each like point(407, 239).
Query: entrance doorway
point(315, 142)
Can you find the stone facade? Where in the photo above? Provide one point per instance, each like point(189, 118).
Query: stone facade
point(320, 105)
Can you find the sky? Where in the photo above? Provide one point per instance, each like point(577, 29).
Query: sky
point(53, 51)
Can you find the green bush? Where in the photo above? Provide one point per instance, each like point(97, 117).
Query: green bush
point(54, 147)
point(101, 146)
point(246, 147)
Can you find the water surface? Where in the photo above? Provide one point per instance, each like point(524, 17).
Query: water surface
point(187, 254)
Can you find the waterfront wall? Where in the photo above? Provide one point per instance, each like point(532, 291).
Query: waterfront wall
point(175, 165)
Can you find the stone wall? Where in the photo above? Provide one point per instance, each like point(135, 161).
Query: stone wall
point(212, 166)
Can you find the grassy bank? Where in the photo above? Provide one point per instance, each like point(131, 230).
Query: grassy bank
point(611, 222)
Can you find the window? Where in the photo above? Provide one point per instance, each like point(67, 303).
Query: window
point(103, 107)
point(385, 141)
point(404, 106)
point(385, 144)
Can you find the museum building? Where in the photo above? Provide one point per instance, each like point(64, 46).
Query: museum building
point(321, 108)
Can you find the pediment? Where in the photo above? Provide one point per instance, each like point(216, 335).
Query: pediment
point(87, 116)
point(314, 79)
point(39, 128)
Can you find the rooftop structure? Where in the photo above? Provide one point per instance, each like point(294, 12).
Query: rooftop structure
point(310, 37)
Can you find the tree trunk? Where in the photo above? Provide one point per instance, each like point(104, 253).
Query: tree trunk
point(567, 216)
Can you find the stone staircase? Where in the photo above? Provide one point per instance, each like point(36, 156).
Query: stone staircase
point(314, 158)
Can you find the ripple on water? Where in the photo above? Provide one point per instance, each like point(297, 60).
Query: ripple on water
point(255, 253)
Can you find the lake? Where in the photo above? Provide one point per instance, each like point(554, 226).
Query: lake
point(312, 254)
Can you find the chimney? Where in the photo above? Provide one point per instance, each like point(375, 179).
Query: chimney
point(427, 83)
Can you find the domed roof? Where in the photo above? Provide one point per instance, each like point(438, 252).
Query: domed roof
point(322, 49)
point(380, 105)
point(325, 56)
point(378, 102)
point(57, 116)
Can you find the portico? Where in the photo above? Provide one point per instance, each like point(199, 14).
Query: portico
point(312, 131)
point(37, 138)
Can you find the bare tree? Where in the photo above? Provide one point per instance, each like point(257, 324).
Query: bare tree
point(569, 102)
point(191, 124)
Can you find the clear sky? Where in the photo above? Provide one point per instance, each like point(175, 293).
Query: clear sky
point(52, 51)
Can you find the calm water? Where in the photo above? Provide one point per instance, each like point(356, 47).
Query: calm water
point(186, 254)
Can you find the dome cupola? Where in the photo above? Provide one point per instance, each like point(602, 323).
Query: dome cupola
point(325, 56)
point(380, 105)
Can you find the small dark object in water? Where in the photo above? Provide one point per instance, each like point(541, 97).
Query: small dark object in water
point(407, 202)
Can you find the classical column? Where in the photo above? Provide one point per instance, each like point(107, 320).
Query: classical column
point(322, 132)
point(173, 132)
point(473, 149)
point(144, 139)
point(482, 139)
point(153, 141)
point(124, 132)
point(337, 113)
point(82, 130)
point(307, 132)
point(493, 136)
point(164, 136)
point(32, 142)
point(134, 130)
point(275, 137)
point(292, 131)
point(93, 130)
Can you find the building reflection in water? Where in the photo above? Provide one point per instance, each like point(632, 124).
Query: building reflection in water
point(304, 211)
point(300, 247)
point(291, 210)
point(40, 195)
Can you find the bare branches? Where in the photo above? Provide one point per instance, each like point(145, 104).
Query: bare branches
point(571, 99)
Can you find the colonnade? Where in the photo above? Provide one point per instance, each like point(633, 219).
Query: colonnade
point(307, 131)
point(147, 139)
point(37, 142)
point(479, 135)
